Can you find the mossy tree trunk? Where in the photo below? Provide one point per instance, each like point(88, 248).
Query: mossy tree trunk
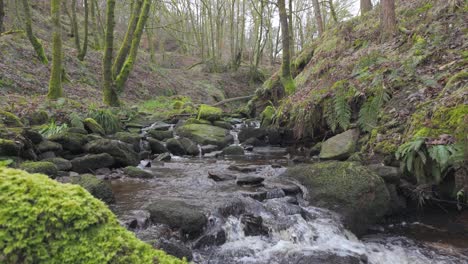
point(110, 95)
point(2, 15)
point(388, 19)
point(366, 6)
point(84, 49)
point(286, 78)
point(318, 17)
point(55, 83)
point(74, 25)
point(37, 45)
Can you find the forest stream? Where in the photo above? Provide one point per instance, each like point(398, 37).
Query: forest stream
point(269, 221)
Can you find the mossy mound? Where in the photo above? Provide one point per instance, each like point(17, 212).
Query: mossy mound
point(209, 113)
point(206, 134)
point(134, 172)
point(93, 126)
point(9, 119)
point(354, 191)
point(44, 167)
point(65, 224)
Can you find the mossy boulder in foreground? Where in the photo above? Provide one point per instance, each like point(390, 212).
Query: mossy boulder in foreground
point(44, 167)
point(64, 224)
point(354, 191)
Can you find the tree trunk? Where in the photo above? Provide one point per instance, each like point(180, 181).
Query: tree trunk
point(291, 28)
point(2, 15)
point(366, 6)
point(55, 83)
point(388, 17)
point(37, 45)
point(286, 78)
point(74, 25)
point(318, 16)
point(84, 49)
point(110, 95)
point(332, 11)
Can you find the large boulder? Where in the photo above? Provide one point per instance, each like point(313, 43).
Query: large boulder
point(157, 147)
point(206, 134)
point(175, 147)
point(48, 146)
point(92, 162)
point(352, 190)
point(251, 132)
point(72, 142)
point(64, 224)
point(122, 152)
point(44, 167)
point(160, 134)
point(9, 148)
point(95, 186)
point(341, 146)
point(178, 214)
point(190, 147)
point(61, 163)
point(209, 113)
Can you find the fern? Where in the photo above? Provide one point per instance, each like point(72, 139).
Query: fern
point(368, 115)
point(52, 128)
point(342, 110)
point(75, 120)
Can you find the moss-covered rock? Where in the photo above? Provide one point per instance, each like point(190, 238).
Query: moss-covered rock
point(206, 134)
point(65, 224)
point(190, 147)
point(266, 116)
point(123, 153)
point(9, 148)
point(34, 136)
point(9, 119)
point(341, 146)
point(157, 147)
point(43, 167)
point(354, 191)
point(78, 130)
point(72, 142)
point(61, 163)
point(95, 186)
point(175, 147)
point(39, 118)
point(46, 146)
point(197, 121)
point(159, 134)
point(127, 137)
point(93, 126)
point(134, 172)
point(209, 113)
point(233, 151)
point(92, 162)
point(223, 124)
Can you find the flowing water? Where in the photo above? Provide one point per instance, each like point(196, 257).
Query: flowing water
point(291, 231)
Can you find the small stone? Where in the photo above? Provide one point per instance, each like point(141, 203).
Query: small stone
point(249, 180)
point(219, 176)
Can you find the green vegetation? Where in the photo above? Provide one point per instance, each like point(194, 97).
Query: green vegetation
point(65, 224)
point(106, 119)
point(52, 129)
point(209, 113)
point(44, 167)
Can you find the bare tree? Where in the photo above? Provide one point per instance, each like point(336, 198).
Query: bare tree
point(388, 19)
point(2, 15)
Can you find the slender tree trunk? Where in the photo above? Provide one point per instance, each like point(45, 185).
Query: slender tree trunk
point(55, 83)
point(94, 26)
point(318, 16)
point(2, 15)
point(110, 95)
point(84, 49)
point(37, 45)
point(366, 6)
point(286, 78)
point(332, 11)
point(388, 17)
point(291, 28)
point(74, 24)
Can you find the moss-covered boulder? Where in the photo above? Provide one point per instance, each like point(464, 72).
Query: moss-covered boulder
point(223, 124)
point(95, 186)
point(34, 136)
point(352, 190)
point(134, 172)
point(65, 224)
point(78, 130)
point(92, 126)
point(92, 162)
point(46, 146)
point(233, 151)
point(197, 121)
point(157, 147)
point(160, 134)
point(341, 146)
point(10, 120)
point(9, 148)
point(206, 134)
point(127, 137)
point(61, 163)
point(175, 147)
point(122, 152)
point(209, 113)
point(72, 142)
point(44, 167)
point(190, 147)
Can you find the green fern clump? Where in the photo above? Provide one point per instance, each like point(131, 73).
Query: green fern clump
point(337, 111)
point(368, 114)
point(108, 121)
point(52, 129)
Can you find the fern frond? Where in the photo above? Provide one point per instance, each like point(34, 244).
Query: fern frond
point(342, 111)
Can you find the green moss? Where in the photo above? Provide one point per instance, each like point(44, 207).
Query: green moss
point(197, 121)
point(44, 167)
point(134, 172)
point(385, 147)
point(267, 116)
point(64, 224)
point(93, 126)
point(460, 76)
point(209, 113)
point(9, 119)
point(419, 46)
point(8, 148)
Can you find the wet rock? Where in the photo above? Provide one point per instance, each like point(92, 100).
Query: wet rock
point(122, 152)
point(46, 155)
point(175, 249)
point(244, 169)
point(175, 147)
point(249, 180)
point(61, 163)
point(72, 142)
point(234, 207)
point(129, 138)
point(91, 162)
point(275, 193)
point(341, 146)
point(253, 225)
point(196, 121)
point(308, 257)
point(255, 142)
point(259, 196)
point(352, 190)
point(270, 151)
point(97, 187)
point(144, 155)
point(134, 172)
point(190, 147)
point(34, 136)
point(233, 151)
point(103, 171)
point(9, 147)
point(206, 134)
point(43, 167)
point(250, 132)
point(248, 147)
point(161, 126)
point(276, 166)
point(178, 214)
point(315, 150)
point(273, 136)
point(397, 202)
point(163, 157)
point(160, 135)
point(139, 219)
point(48, 146)
point(209, 148)
point(389, 174)
point(223, 124)
point(157, 147)
point(214, 238)
point(220, 176)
